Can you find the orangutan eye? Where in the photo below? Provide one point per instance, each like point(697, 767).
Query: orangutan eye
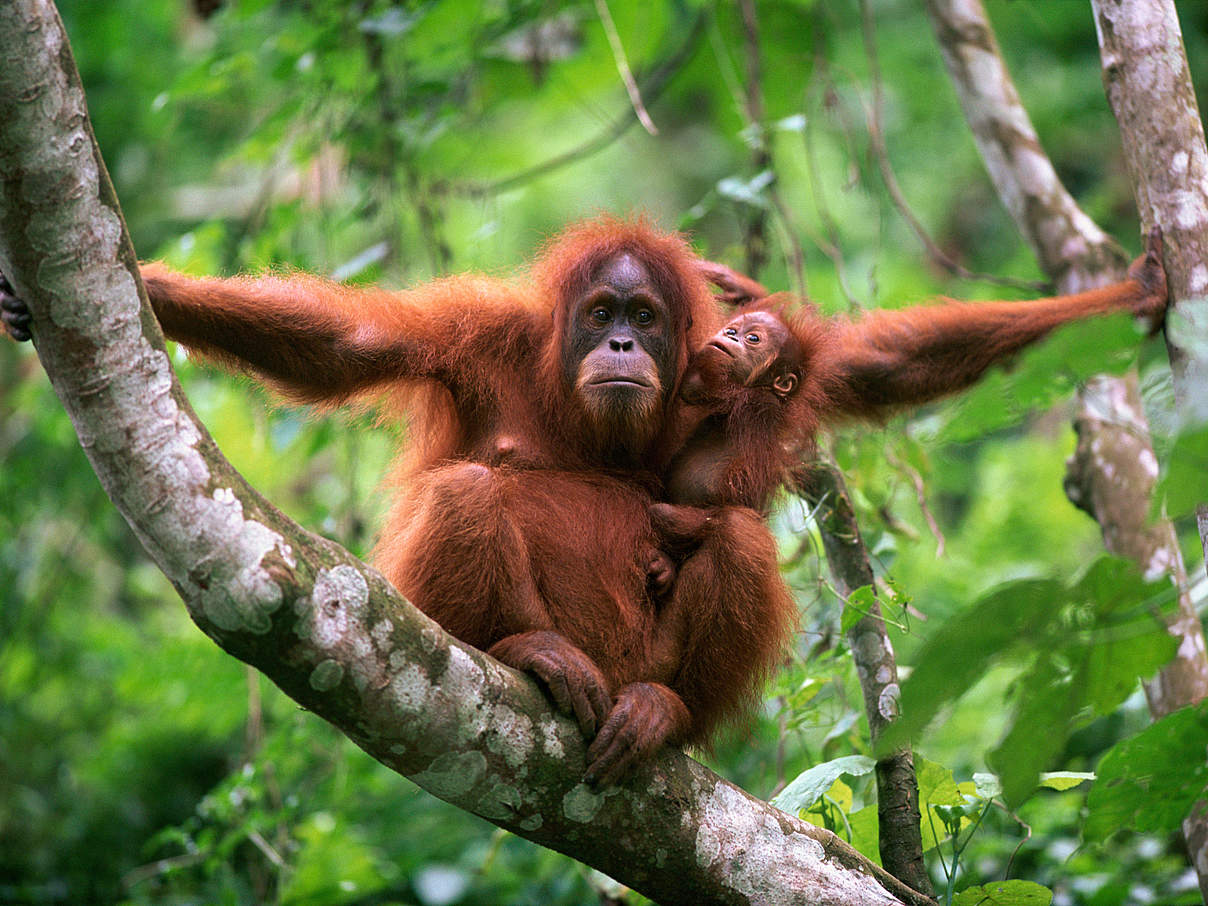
point(644, 316)
point(730, 332)
point(601, 316)
point(754, 339)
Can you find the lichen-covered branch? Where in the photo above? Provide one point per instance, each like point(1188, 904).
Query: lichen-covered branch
point(1062, 237)
point(900, 838)
point(1112, 476)
point(325, 627)
point(1148, 84)
point(1113, 471)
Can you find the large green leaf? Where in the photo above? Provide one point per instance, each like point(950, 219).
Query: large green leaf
point(808, 787)
point(965, 646)
point(1084, 645)
point(1106, 638)
point(1005, 893)
point(1184, 483)
point(1150, 781)
point(1045, 709)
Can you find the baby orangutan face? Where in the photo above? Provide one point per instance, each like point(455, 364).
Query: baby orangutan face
point(759, 352)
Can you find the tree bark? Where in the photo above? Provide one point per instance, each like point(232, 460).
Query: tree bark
point(1112, 476)
point(1148, 85)
point(326, 628)
point(899, 838)
point(1062, 237)
point(1113, 471)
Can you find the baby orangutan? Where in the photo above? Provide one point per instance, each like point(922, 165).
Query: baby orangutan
point(743, 391)
point(745, 417)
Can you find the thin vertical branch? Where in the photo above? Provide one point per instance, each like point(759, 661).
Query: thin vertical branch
point(900, 838)
point(920, 494)
point(439, 254)
point(829, 245)
point(795, 263)
point(618, 54)
point(755, 239)
point(876, 137)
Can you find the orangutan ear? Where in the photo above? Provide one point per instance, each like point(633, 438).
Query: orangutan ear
point(785, 384)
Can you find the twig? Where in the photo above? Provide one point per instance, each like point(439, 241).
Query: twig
point(781, 733)
point(618, 53)
point(788, 231)
point(265, 847)
point(881, 153)
point(159, 866)
point(756, 239)
point(920, 493)
point(654, 87)
point(439, 253)
point(725, 65)
point(1027, 835)
point(254, 731)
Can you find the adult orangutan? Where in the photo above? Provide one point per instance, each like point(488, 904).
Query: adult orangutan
point(516, 390)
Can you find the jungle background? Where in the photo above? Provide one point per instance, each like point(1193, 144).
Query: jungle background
point(392, 142)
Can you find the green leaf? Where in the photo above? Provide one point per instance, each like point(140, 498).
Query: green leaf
point(1124, 640)
point(963, 648)
point(1064, 780)
point(865, 832)
point(1116, 587)
point(1005, 893)
point(1150, 781)
point(1185, 482)
point(937, 786)
point(1088, 641)
point(839, 795)
point(1113, 662)
point(1105, 638)
point(808, 787)
point(857, 607)
point(1047, 706)
point(987, 785)
point(938, 791)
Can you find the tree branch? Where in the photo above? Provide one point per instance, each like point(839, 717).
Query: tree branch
point(755, 229)
point(900, 837)
point(876, 138)
point(326, 628)
point(651, 90)
point(1148, 84)
point(1113, 471)
point(618, 54)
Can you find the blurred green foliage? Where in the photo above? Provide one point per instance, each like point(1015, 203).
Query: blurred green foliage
point(386, 141)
